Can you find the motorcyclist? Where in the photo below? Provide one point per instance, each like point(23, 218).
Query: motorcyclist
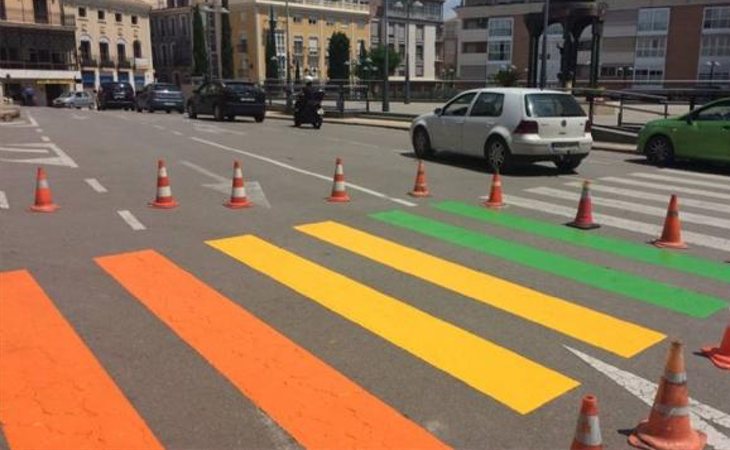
point(308, 90)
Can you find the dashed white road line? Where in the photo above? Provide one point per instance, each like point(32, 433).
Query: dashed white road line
point(177, 133)
point(45, 139)
point(4, 201)
point(39, 130)
point(95, 185)
point(31, 120)
point(159, 127)
point(132, 221)
point(305, 172)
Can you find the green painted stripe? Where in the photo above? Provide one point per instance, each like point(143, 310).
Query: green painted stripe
point(660, 294)
point(639, 252)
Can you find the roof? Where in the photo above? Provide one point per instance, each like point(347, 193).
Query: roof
point(132, 6)
point(518, 90)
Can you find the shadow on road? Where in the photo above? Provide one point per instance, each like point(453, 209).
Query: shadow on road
point(480, 165)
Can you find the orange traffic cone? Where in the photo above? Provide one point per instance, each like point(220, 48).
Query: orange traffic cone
point(588, 430)
point(672, 233)
point(584, 217)
point(495, 193)
point(420, 189)
point(164, 192)
point(339, 194)
point(43, 198)
point(720, 356)
point(238, 190)
point(668, 426)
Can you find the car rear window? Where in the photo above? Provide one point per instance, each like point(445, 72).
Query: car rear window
point(240, 87)
point(552, 105)
point(166, 87)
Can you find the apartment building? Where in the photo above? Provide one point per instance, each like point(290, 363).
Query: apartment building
point(421, 19)
point(113, 41)
point(647, 43)
point(172, 35)
point(37, 49)
point(311, 24)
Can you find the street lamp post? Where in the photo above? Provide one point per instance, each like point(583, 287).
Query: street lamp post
point(408, 5)
point(386, 83)
point(543, 59)
point(712, 65)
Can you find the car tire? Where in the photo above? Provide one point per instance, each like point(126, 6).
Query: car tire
point(498, 154)
point(167, 111)
point(181, 111)
point(139, 110)
point(259, 118)
point(422, 144)
point(191, 111)
point(150, 109)
point(218, 113)
point(568, 164)
point(659, 151)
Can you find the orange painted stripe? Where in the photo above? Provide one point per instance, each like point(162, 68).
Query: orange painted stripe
point(317, 405)
point(54, 394)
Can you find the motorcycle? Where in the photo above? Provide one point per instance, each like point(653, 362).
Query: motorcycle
point(309, 111)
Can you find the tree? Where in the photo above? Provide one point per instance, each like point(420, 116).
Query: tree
point(272, 62)
point(200, 51)
point(378, 54)
point(363, 65)
point(507, 77)
point(339, 55)
point(226, 45)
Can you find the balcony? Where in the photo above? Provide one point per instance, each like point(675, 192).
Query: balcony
point(141, 63)
point(41, 19)
point(88, 61)
point(322, 4)
point(124, 63)
point(106, 63)
point(36, 65)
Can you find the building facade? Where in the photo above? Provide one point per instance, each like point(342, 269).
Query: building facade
point(37, 50)
point(113, 41)
point(172, 36)
point(647, 43)
point(422, 20)
point(311, 24)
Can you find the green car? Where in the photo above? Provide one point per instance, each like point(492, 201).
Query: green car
point(703, 134)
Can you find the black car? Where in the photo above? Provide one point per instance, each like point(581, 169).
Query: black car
point(160, 96)
point(226, 99)
point(115, 95)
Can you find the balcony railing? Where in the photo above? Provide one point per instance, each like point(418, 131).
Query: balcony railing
point(88, 61)
point(329, 4)
point(27, 65)
point(124, 63)
point(30, 17)
point(107, 63)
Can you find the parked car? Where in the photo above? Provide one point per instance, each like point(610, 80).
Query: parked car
point(74, 99)
point(226, 99)
point(115, 95)
point(703, 134)
point(160, 96)
point(508, 126)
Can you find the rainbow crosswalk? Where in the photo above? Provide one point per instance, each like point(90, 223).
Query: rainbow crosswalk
point(56, 393)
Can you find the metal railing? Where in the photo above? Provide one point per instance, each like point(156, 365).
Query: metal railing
point(30, 16)
point(37, 65)
point(88, 61)
point(124, 63)
point(341, 5)
point(106, 62)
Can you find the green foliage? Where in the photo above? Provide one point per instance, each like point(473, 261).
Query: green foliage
point(339, 54)
point(378, 55)
point(200, 51)
point(507, 77)
point(226, 45)
point(363, 65)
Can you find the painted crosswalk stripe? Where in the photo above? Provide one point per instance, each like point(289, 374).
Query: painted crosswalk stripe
point(667, 187)
point(674, 298)
point(640, 252)
point(708, 176)
point(509, 378)
point(687, 217)
point(635, 226)
point(317, 405)
point(584, 324)
point(683, 180)
point(4, 201)
point(649, 196)
point(55, 394)
point(95, 185)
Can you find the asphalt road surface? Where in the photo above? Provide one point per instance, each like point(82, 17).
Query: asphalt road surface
point(385, 322)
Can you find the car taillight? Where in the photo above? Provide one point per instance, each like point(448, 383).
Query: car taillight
point(527, 127)
point(588, 126)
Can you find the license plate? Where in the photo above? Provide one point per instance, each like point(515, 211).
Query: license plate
point(169, 104)
point(565, 146)
point(247, 99)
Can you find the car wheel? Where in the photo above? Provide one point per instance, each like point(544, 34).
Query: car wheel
point(568, 164)
point(167, 111)
point(218, 113)
point(259, 118)
point(181, 111)
point(191, 111)
point(659, 151)
point(497, 154)
point(139, 110)
point(422, 144)
point(150, 109)
point(231, 118)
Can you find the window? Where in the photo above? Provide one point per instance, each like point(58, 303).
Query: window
point(473, 47)
point(82, 11)
point(716, 45)
point(552, 105)
point(163, 54)
point(121, 52)
point(500, 27)
point(297, 19)
point(330, 21)
point(719, 112)
point(313, 57)
point(419, 33)
point(717, 18)
point(85, 50)
point(653, 20)
point(299, 50)
point(500, 51)
point(645, 75)
point(608, 71)
point(184, 25)
point(361, 24)
point(104, 51)
point(312, 20)
point(242, 46)
point(161, 26)
point(474, 24)
point(651, 46)
point(135, 20)
point(459, 106)
point(171, 26)
point(137, 49)
point(118, 17)
point(488, 104)
point(100, 14)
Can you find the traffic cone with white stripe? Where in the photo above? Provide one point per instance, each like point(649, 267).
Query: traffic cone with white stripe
point(672, 232)
point(588, 430)
point(720, 355)
point(669, 426)
point(43, 198)
point(420, 189)
point(164, 197)
point(339, 194)
point(495, 192)
point(584, 217)
point(238, 189)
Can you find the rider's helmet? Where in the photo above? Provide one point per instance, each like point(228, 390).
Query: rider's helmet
point(308, 80)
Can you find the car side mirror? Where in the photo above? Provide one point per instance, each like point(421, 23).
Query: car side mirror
point(437, 111)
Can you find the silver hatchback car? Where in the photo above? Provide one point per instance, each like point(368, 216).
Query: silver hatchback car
point(508, 126)
point(75, 99)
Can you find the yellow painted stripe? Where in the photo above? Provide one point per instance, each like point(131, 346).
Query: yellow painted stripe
point(509, 378)
point(601, 330)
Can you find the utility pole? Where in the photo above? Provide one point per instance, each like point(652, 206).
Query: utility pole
point(543, 60)
point(386, 84)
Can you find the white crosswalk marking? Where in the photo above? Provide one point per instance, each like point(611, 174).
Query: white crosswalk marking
point(667, 187)
point(4, 201)
point(662, 198)
point(683, 180)
point(633, 207)
point(708, 176)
